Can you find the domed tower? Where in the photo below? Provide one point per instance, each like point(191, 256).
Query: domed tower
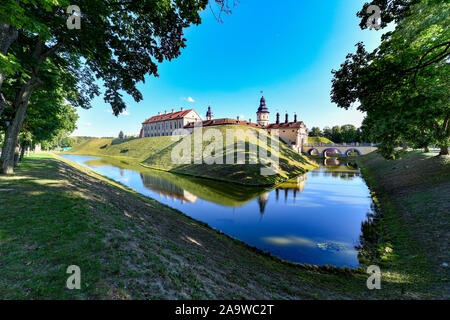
point(262, 115)
point(209, 114)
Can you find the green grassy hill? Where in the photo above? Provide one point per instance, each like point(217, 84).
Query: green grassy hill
point(139, 149)
point(313, 140)
point(156, 153)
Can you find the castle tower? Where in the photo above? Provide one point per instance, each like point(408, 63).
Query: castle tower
point(262, 115)
point(262, 201)
point(209, 114)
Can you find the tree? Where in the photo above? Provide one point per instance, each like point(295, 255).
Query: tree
point(120, 42)
point(336, 135)
point(315, 132)
point(60, 140)
point(327, 133)
point(402, 86)
point(348, 133)
point(48, 113)
point(121, 135)
point(26, 139)
point(391, 11)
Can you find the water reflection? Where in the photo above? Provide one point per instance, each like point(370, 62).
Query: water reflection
point(337, 169)
point(315, 218)
point(184, 188)
point(369, 241)
point(167, 188)
point(262, 201)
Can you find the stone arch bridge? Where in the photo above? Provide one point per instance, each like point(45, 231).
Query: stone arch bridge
point(344, 150)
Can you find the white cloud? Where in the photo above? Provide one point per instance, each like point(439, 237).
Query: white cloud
point(290, 241)
point(189, 99)
point(125, 113)
point(89, 124)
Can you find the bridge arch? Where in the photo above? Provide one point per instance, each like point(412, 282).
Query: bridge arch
point(353, 150)
point(331, 162)
point(351, 165)
point(309, 152)
point(325, 151)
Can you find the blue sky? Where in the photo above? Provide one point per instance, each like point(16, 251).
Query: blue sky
point(285, 48)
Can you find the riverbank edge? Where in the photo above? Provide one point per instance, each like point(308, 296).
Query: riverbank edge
point(219, 179)
point(323, 269)
point(391, 227)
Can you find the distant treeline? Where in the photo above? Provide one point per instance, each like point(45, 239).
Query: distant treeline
point(65, 142)
point(345, 134)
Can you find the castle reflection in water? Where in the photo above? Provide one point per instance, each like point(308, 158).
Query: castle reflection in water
point(167, 189)
point(170, 189)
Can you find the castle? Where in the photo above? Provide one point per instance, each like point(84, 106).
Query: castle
point(294, 134)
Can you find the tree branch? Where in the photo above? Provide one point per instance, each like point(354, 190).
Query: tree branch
point(439, 57)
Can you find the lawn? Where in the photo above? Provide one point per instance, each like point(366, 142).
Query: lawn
point(137, 149)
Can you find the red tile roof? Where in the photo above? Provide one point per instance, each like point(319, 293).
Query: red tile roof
point(285, 125)
point(224, 121)
point(168, 116)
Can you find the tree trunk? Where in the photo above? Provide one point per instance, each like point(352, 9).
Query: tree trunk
point(8, 35)
point(2, 103)
point(444, 151)
point(12, 133)
point(17, 153)
point(426, 149)
point(22, 151)
point(20, 106)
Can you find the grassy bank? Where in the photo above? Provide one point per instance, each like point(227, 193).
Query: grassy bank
point(137, 150)
point(156, 153)
point(317, 140)
point(409, 235)
point(54, 214)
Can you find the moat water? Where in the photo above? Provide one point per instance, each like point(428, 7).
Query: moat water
point(315, 218)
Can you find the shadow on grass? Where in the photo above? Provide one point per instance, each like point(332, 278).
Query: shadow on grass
point(44, 229)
